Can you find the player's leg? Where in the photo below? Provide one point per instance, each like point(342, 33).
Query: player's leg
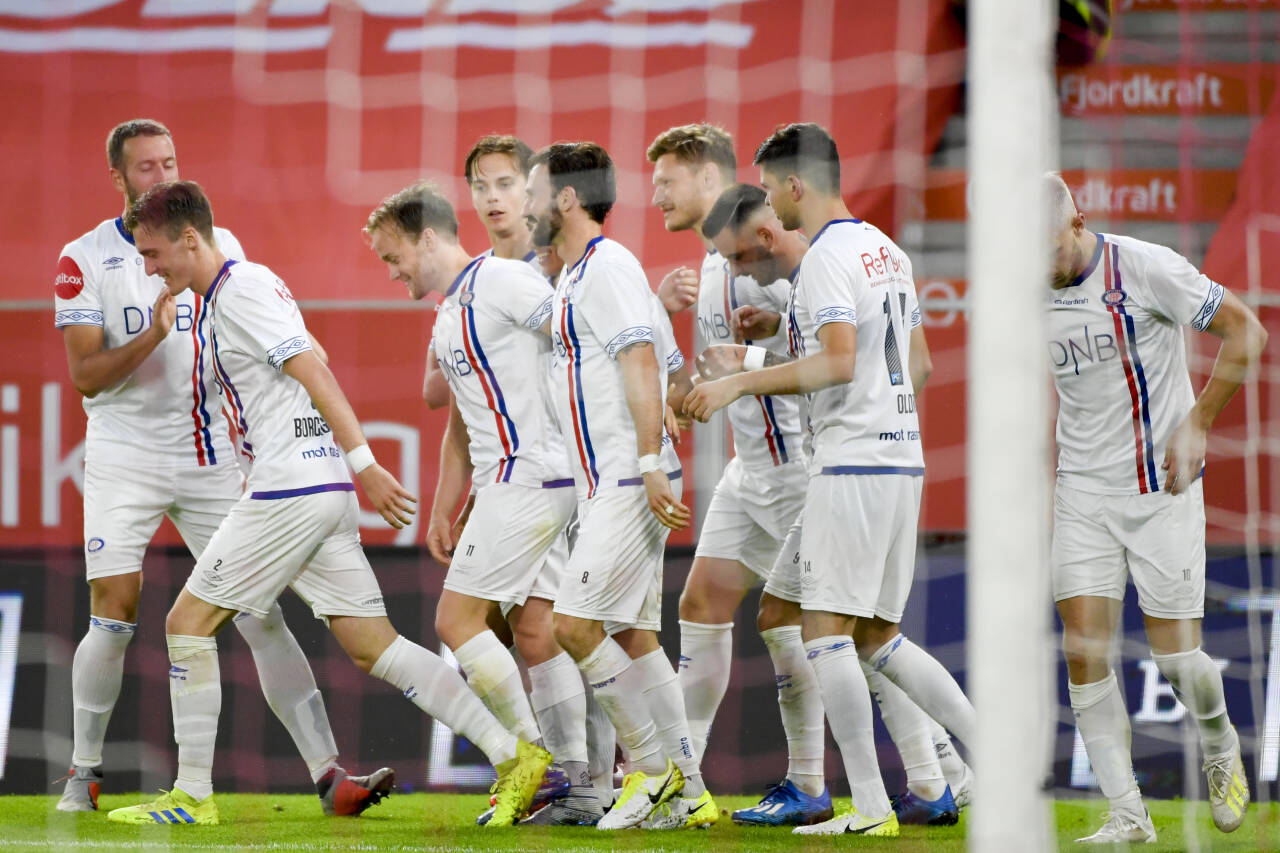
point(843, 550)
point(717, 582)
point(1089, 574)
point(801, 797)
point(1164, 537)
point(204, 497)
point(122, 509)
point(927, 799)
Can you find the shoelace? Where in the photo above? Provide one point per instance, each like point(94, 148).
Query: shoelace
point(1219, 774)
point(1120, 820)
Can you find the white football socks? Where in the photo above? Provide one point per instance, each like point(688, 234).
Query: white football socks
point(195, 691)
point(290, 687)
point(662, 691)
point(560, 704)
point(602, 745)
point(619, 690)
point(1197, 682)
point(911, 731)
point(493, 675)
point(1104, 727)
point(437, 688)
point(706, 655)
point(96, 672)
point(800, 703)
point(953, 766)
point(928, 684)
point(848, 707)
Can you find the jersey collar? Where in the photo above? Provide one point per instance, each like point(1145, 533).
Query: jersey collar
point(458, 281)
point(124, 232)
point(218, 280)
point(794, 274)
point(824, 228)
point(1093, 264)
point(580, 265)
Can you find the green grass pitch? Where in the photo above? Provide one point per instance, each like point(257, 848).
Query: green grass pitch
point(445, 822)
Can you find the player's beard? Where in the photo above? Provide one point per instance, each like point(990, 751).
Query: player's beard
point(130, 194)
point(546, 227)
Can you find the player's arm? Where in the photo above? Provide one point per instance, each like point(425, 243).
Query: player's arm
point(919, 362)
point(1243, 340)
point(388, 497)
point(720, 360)
point(435, 388)
point(640, 384)
point(831, 365)
point(317, 349)
point(451, 486)
point(94, 369)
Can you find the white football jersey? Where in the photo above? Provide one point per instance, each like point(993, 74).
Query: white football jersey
point(766, 429)
point(488, 342)
point(1119, 362)
point(257, 327)
point(853, 273)
point(602, 305)
point(166, 412)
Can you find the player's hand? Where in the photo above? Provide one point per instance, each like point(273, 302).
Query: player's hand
point(388, 497)
point(707, 398)
point(678, 289)
point(750, 323)
point(663, 503)
point(163, 313)
point(675, 424)
point(720, 360)
point(1184, 457)
point(441, 538)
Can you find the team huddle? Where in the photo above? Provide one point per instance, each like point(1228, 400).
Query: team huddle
point(559, 484)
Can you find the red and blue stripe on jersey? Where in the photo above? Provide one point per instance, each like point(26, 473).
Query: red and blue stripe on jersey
point(229, 393)
point(1134, 375)
point(772, 434)
point(577, 403)
point(488, 381)
point(199, 393)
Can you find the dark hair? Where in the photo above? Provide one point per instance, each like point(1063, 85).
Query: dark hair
point(803, 149)
point(172, 206)
point(697, 144)
point(123, 132)
point(497, 144)
point(733, 208)
point(413, 210)
point(587, 168)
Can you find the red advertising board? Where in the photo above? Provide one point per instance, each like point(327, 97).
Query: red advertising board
point(1192, 89)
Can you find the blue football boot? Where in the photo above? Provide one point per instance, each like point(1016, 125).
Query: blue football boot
point(787, 805)
point(913, 809)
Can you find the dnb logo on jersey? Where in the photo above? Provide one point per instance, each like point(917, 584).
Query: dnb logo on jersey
point(1113, 298)
point(69, 281)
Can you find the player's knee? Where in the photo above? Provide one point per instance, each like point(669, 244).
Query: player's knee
point(447, 629)
point(774, 613)
point(571, 634)
point(116, 597)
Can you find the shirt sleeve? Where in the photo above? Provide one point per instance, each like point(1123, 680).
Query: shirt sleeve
point(616, 307)
point(666, 338)
point(229, 245)
point(76, 298)
point(1181, 292)
point(828, 289)
point(525, 297)
point(265, 320)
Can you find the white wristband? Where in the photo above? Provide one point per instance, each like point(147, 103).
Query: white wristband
point(359, 458)
point(649, 463)
point(754, 359)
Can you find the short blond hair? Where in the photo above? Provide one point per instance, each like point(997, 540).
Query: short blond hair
point(696, 144)
point(413, 210)
point(1059, 202)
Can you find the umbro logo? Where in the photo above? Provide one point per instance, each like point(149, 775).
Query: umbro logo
point(113, 263)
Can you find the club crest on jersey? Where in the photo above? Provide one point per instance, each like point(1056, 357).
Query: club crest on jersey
point(467, 297)
point(95, 544)
point(1113, 298)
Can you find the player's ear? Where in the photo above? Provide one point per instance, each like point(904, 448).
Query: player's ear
point(795, 187)
point(765, 234)
point(117, 179)
point(566, 198)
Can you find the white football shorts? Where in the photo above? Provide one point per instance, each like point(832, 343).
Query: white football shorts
point(750, 513)
point(311, 543)
point(514, 545)
point(614, 574)
point(124, 505)
point(784, 579)
point(858, 544)
point(1158, 538)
